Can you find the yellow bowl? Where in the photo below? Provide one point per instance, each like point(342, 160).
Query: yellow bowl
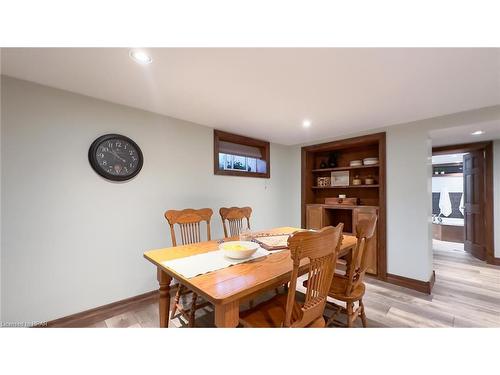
point(239, 249)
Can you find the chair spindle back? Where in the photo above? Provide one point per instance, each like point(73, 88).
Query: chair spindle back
point(189, 224)
point(321, 248)
point(235, 217)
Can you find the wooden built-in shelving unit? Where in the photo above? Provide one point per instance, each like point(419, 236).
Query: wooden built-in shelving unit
point(371, 198)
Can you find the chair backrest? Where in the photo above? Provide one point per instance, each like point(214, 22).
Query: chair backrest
point(189, 223)
point(235, 217)
point(359, 264)
point(322, 249)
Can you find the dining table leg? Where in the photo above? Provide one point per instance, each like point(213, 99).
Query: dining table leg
point(227, 315)
point(164, 280)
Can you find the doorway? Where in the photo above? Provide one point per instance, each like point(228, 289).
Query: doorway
point(462, 193)
point(448, 231)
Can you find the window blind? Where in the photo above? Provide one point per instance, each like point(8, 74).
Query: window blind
point(240, 150)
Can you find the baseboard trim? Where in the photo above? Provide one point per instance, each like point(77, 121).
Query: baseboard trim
point(92, 316)
point(432, 281)
point(495, 261)
point(418, 285)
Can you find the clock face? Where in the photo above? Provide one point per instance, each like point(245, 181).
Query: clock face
point(115, 157)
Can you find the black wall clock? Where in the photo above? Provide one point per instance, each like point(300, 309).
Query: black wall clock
point(115, 157)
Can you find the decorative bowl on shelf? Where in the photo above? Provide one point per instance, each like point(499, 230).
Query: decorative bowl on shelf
point(239, 249)
point(369, 181)
point(355, 163)
point(370, 161)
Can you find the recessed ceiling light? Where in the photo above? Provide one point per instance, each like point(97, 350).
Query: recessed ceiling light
point(306, 123)
point(477, 132)
point(140, 57)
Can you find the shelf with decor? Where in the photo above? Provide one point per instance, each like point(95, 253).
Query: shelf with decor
point(346, 187)
point(327, 164)
point(343, 168)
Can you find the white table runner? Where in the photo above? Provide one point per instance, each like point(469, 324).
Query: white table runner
point(207, 262)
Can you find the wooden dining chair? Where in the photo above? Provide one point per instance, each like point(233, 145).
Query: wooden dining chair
point(235, 217)
point(189, 221)
point(321, 248)
point(349, 288)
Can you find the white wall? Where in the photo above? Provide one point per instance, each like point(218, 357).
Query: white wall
point(409, 206)
point(496, 182)
point(72, 240)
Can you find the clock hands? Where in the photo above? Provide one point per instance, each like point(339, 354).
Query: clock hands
point(122, 159)
point(114, 153)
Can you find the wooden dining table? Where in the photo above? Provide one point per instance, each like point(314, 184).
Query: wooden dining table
point(226, 288)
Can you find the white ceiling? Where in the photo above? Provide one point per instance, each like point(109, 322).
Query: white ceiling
point(463, 134)
point(266, 93)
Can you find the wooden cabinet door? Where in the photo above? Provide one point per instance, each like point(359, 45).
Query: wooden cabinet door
point(314, 217)
point(361, 213)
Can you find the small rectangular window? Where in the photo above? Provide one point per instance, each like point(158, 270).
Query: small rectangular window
point(236, 155)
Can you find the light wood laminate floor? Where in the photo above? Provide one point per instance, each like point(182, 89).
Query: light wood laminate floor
point(466, 294)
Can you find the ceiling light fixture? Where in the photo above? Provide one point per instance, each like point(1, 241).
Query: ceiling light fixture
point(140, 57)
point(477, 132)
point(306, 123)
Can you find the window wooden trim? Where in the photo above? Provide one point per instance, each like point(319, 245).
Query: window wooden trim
point(240, 139)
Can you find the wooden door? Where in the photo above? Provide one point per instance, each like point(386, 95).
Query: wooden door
point(361, 213)
point(474, 196)
point(314, 217)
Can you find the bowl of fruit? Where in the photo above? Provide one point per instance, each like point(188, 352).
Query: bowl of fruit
point(239, 249)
